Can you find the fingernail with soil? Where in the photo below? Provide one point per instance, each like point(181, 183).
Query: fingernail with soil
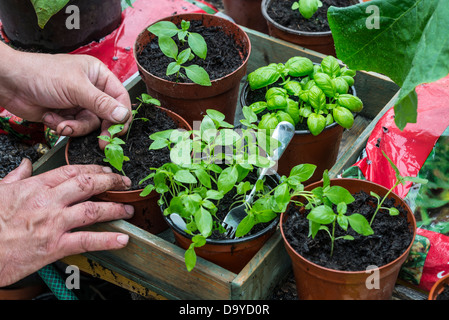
point(126, 181)
point(120, 113)
point(129, 209)
point(67, 131)
point(107, 169)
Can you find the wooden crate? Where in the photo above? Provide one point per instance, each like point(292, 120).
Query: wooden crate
point(153, 266)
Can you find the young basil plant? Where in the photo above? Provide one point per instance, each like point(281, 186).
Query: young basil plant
point(113, 151)
point(193, 188)
point(307, 8)
point(323, 214)
point(165, 30)
point(399, 180)
point(314, 94)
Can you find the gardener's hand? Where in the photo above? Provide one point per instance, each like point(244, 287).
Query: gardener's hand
point(39, 213)
point(71, 94)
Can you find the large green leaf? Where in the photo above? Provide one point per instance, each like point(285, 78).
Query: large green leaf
point(410, 46)
point(45, 9)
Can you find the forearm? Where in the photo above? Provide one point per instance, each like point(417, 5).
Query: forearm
point(10, 72)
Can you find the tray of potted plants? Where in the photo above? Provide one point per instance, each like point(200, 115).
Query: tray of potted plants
point(155, 265)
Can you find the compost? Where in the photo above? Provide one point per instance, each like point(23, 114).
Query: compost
point(223, 54)
point(86, 150)
point(281, 12)
point(392, 236)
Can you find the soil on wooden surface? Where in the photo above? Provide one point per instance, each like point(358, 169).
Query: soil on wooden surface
point(281, 12)
point(85, 150)
point(13, 151)
point(444, 295)
point(391, 237)
point(223, 55)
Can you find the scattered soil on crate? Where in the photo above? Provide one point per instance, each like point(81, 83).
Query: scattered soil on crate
point(85, 150)
point(444, 295)
point(223, 55)
point(13, 151)
point(281, 12)
point(391, 237)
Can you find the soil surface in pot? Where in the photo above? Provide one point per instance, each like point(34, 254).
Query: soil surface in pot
point(392, 236)
point(85, 150)
point(223, 55)
point(13, 151)
point(281, 12)
point(444, 295)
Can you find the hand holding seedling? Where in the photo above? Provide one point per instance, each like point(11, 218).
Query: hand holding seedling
point(71, 94)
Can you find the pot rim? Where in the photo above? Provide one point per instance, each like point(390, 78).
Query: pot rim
point(200, 17)
point(266, 3)
point(298, 132)
point(385, 266)
point(272, 225)
point(437, 287)
point(115, 192)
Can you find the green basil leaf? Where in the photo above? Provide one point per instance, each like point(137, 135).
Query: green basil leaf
point(337, 194)
point(360, 224)
point(198, 44)
point(168, 47)
point(322, 215)
point(184, 176)
point(163, 29)
point(198, 75)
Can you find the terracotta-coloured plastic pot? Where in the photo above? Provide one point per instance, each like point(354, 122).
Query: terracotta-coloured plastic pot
point(322, 42)
point(147, 213)
point(98, 18)
point(191, 100)
point(247, 13)
point(234, 254)
point(314, 282)
point(317, 41)
point(321, 150)
point(438, 287)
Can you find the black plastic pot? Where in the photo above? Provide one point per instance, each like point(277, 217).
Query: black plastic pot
point(98, 18)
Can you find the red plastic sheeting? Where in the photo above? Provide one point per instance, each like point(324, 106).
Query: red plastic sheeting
point(409, 150)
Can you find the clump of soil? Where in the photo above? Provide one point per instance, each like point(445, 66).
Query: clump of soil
point(392, 236)
point(281, 12)
point(85, 150)
point(223, 54)
point(13, 151)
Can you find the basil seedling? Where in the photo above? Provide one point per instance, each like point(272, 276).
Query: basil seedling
point(193, 188)
point(323, 214)
point(165, 30)
point(113, 151)
point(307, 8)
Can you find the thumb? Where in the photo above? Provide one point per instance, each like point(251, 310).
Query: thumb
point(103, 105)
point(23, 171)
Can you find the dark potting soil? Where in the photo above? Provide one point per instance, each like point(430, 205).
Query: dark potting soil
point(391, 237)
point(223, 55)
point(85, 150)
point(281, 12)
point(444, 295)
point(13, 151)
